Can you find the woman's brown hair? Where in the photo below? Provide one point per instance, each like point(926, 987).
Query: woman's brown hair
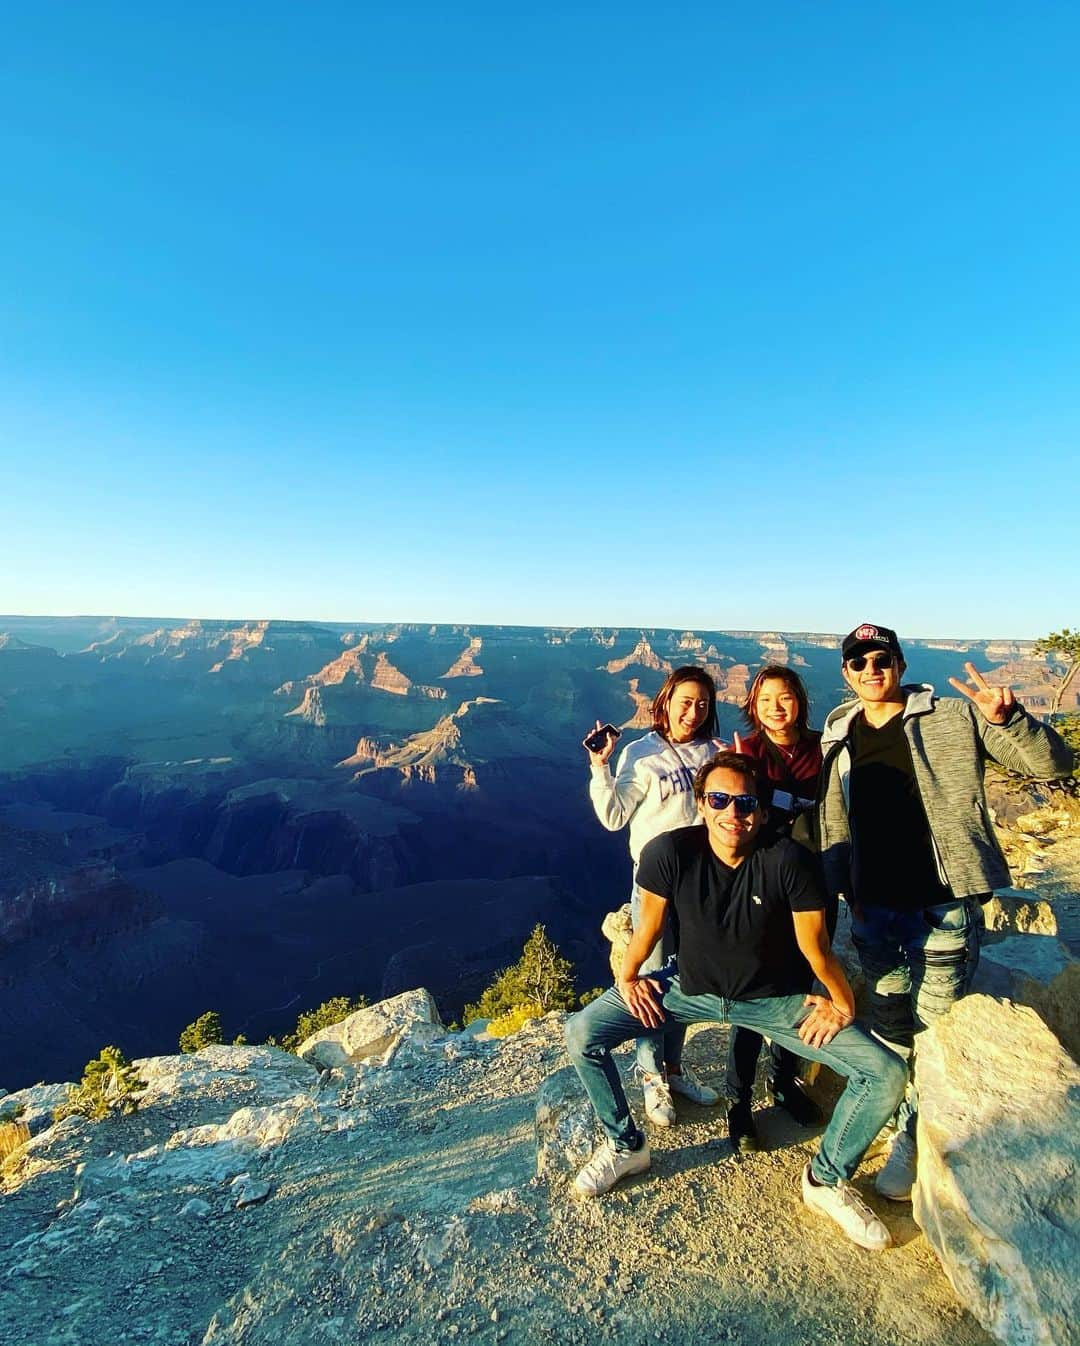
point(794, 684)
point(662, 700)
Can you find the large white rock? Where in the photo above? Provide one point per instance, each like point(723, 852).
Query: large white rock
point(997, 1193)
point(1017, 912)
point(371, 1032)
point(1038, 971)
point(34, 1106)
point(267, 1072)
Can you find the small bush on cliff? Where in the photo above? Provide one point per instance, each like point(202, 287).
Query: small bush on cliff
point(13, 1136)
point(109, 1084)
point(514, 1019)
point(206, 1031)
point(541, 977)
point(328, 1013)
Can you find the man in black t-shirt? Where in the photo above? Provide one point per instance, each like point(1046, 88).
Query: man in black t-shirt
point(906, 838)
point(751, 934)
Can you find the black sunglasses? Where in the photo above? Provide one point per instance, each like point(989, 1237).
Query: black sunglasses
point(879, 662)
point(719, 800)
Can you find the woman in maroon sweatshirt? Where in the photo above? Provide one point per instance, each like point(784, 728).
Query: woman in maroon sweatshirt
point(788, 754)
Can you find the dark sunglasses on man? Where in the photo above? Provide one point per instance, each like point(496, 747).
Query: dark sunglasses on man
point(879, 662)
point(719, 800)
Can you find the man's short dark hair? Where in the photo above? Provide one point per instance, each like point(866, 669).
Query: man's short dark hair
point(728, 761)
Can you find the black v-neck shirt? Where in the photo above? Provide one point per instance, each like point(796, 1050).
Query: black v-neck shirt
point(733, 928)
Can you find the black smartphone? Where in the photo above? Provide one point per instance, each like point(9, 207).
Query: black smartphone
point(595, 741)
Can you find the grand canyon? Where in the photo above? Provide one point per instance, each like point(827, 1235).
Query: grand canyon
point(254, 816)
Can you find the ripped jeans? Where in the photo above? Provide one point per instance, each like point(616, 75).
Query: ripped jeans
point(917, 965)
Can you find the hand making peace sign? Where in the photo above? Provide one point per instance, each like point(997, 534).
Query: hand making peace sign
point(995, 703)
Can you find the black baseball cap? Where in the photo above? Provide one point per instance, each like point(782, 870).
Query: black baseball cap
point(870, 637)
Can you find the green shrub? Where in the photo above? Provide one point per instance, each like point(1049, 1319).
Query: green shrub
point(514, 1019)
point(541, 976)
point(109, 1085)
point(204, 1032)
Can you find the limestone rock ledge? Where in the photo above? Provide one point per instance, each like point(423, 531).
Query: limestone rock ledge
point(997, 1193)
point(372, 1032)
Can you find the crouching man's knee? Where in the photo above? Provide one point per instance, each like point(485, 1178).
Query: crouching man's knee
point(893, 1072)
point(576, 1034)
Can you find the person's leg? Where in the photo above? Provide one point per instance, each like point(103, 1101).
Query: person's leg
point(878, 935)
point(744, 1048)
point(875, 1080)
point(781, 1067)
point(785, 1089)
point(673, 1038)
point(942, 951)
point(591, 1034)
point(651, 1047)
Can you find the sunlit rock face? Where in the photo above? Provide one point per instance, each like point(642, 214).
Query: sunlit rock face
point(998, 1156)
point(415, 1180)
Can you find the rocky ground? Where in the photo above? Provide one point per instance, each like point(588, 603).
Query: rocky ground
point(400, 1203)
point(254, 1200)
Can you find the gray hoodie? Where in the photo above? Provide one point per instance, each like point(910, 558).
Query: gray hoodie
point(950, 742)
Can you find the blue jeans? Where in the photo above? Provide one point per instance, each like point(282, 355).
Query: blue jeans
point(917, 965)
point(875, 1076)
point(744, 1049)
point(656, 1051)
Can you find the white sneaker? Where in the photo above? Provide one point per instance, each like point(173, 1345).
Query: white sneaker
point(897, 1177)
point(658, 1105)
point(843, 1205)
point(692, 1088)
point(608, 1165)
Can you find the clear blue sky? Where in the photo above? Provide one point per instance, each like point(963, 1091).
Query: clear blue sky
point(726, 316)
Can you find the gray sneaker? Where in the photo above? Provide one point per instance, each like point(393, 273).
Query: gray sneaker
point(897, 1177)
point(608, 1165)
point(688, 1084)
point(843, 1205)
point(658, 1105)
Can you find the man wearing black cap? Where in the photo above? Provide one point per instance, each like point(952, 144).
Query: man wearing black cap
point(906, 838)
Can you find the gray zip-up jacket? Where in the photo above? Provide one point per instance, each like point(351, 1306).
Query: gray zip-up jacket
point(950, 742)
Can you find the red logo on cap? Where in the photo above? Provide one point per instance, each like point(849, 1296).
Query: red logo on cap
point(867, 633)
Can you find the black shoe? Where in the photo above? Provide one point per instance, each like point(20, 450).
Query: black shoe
point(741, 1130)
point(796, 1104)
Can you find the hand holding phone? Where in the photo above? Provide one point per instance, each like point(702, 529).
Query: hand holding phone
point(600, 742)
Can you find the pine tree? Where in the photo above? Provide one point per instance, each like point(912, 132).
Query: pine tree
point(206, 1031)
point(1064, 647)
point(541, 977)
point(109, 1084)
